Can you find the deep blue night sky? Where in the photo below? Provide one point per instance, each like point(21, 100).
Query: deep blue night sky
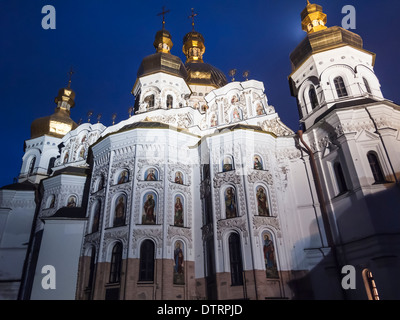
point(105, 41)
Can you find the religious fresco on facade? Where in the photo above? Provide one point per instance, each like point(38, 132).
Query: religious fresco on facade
point(259, 109)
point(179, 177)
point(178, 211)
point(71, 202)
point(214, 120)
point(236, 115)
point(123, 177)
point(120, 211)
point(258, 165)
point(82, 153)
point(151, 174)
point(149, 208)
point(179, 271)
point(269, 256)
point(230, 203)
point(262, 202)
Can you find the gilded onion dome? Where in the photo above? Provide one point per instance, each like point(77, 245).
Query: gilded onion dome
point(162, 60)
point(59, 123)
point(199, 72)
point(320, 38)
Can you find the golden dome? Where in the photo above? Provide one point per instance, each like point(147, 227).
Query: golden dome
point(193, 46)
point(205, 74)
point(162, 60)
point(163, 41)
point(200, 73)
point(59, 123)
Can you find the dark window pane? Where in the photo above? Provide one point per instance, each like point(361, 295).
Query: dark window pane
point(235, 255)
point(375, 167)
point(340, 87)
point(116, 263)
point(146, 268)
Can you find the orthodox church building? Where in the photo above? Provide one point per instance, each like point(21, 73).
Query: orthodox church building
point(203, 193)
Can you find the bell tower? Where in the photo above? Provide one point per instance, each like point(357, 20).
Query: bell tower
point(329, 66)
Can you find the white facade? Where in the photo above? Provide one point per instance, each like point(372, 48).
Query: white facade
point(240, 174)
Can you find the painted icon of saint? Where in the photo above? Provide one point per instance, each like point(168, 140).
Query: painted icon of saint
point(178, 217)
point(119, 218)
point(230, 203)
point(123, 177)
point(151, 175)
point(260, 109)
point(149, 210)
point(269, 257)
point(178, 177)
point(179, 277)
point(71, 202)
point(262, 202)
point(257, 163)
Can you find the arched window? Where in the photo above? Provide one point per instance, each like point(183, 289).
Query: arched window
point(96, 217)
point(150, 101)
point(340, 87)
point(146, 265)
point(51, 165)
point(170, 101)
point(31, 166)
point(227, 164)
point(370, 285)
point(367, 86)
point(235, 257)
point(375, 167)
point(313, 98)
point(116, 263)
point(341, 181)
point(91, 268)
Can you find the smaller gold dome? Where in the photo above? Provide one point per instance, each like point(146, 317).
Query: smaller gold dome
point(312, 18)
point(163, 41)
point(200, 73)
point(59, 123)
point(193, 46)
point(66, 95)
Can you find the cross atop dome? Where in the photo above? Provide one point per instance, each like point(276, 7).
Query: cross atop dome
point(163, 13)
point(192, 16)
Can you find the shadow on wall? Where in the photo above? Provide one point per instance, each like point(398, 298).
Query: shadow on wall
point(368, 238)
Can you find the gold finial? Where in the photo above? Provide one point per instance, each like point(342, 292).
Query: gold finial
point(162, 13)
point(246, 75)
point(192, 16)
point(99, 117)
point(232, 74)
point(113, 117)
point(308, 3)
point(70, 73)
